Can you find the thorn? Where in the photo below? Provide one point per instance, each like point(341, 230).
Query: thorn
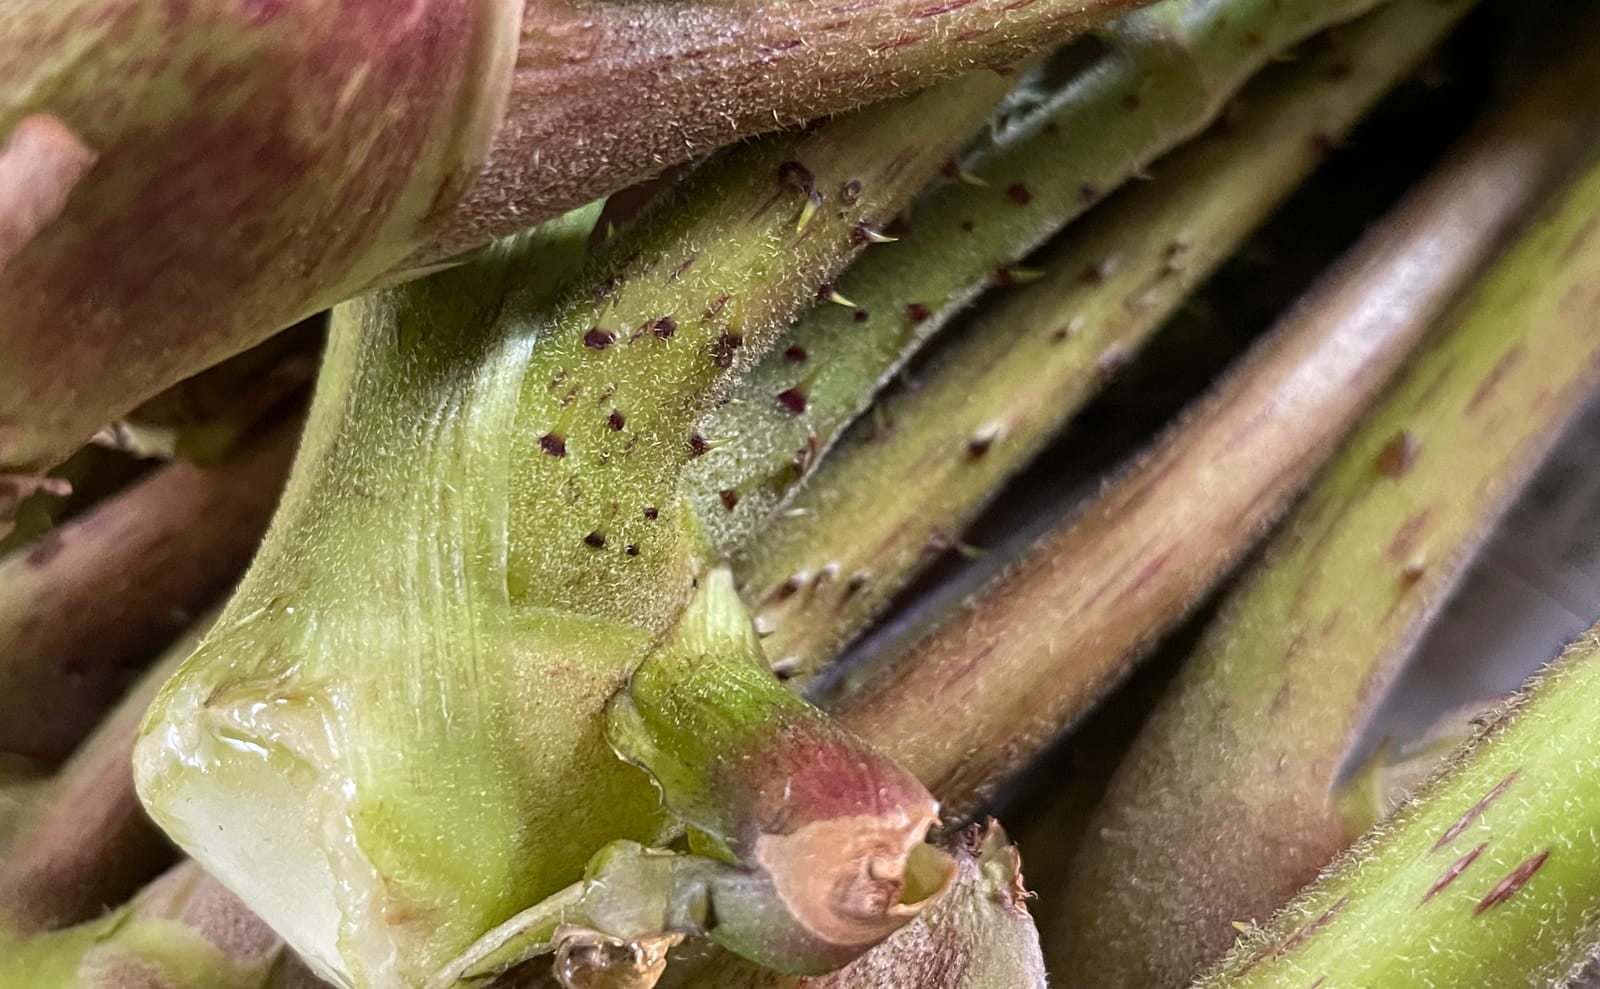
point(828, 293)
point(872, 235)
point(809, 211)
point(1011, 275)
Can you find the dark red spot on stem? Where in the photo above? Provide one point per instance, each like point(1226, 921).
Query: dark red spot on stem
point(939, 8)
point(1399, 454)
point(1019, 193)
point(1304, 934)
point(598, 339)
point(1506, 888)
point(682, 267)
point(615, 420)
point(793, 400)
point(1501, 368)
point(723, 349)
point(45, 549)
point(1473, 813)
point(552, 444)
point(795, 177)
point(917, 312)
point(1453, 872)
point(595, 540)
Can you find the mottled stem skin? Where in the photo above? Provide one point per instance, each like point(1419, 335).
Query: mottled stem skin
point(85, 604)
point(1169, 69)
point(197, 175)
point(1488, 877)
point(484, 535)
point(909, 480)
point(1227, 804)
point(248, 163)
point(89, 845)
point(1089, 599)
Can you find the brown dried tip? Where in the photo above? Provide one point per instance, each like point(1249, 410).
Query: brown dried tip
point(852, 881)
point(978, 935)
point(828, 833)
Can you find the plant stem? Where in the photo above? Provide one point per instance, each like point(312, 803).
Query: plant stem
point(1225, 806)
point(1090, 598)
point(90, 845)
point(203, 419)
point(1488, 877)
point(244, 167)
point(182, 932)
point(483, 541)
point(654, 84)
point(932, 456)
point(267, 163)
point(87, 603)
point(1167, 71)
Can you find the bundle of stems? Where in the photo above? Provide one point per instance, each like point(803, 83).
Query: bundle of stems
point(495, 704)
point(521, 601)
point(921, 468)
point(1231, 794)
point(85, 844)
point(1488, 878)
point(1140, 553)
point(1164, 73)
point(143, 562)
point(245, 165)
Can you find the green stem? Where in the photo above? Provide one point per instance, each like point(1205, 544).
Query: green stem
point(484, 539)
point(1090, 598)
point(1169, 69)
point(1226, 804)
point(931, 457)
point(1487, 879)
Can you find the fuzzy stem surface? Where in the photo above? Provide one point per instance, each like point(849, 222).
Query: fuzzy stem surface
point(1486, 878)
point(1167, 70)
point(1229, 794)
point(1087, 601)
point(248, 165)
point(85, 604)
point(911, 477)
point(483, 540)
